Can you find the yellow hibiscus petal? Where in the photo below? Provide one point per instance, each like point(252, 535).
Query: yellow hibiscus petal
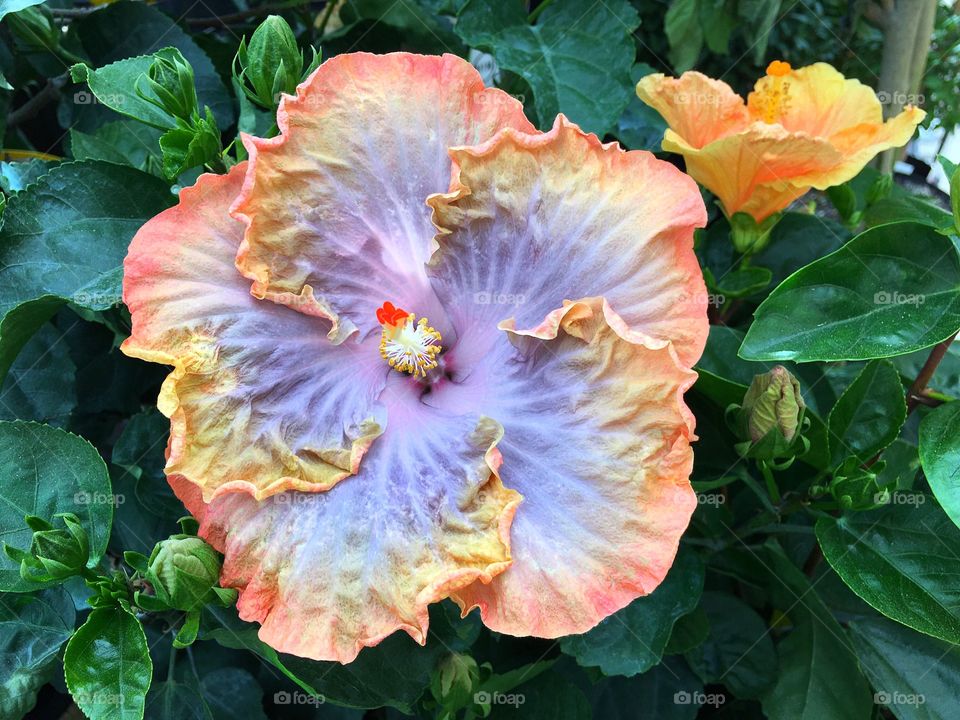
point(816, 100)
point(697, 108)
point(760, 170)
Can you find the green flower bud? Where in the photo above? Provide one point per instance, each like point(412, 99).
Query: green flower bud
point(772, 416)
point(773, 400)
point(454, 681)
point(748, 236)
point(183, 571)
point(170, 81)
point(272, 63)
point(56, 553)
point(881, 188)
point(855, 487)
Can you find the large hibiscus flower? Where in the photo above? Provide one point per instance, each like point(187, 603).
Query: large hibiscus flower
point(423, 351)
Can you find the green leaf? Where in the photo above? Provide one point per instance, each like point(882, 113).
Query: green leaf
point(759, 17)
point(688, 632)
point(744, 282)
point(818, 675)
point(913, 674)
point(739, 652)
point(902, 205)
point(232, 693)
point(15, 176)
point(876, 297)
point(632, 640)
point(114, 86)
point(640, 127)
point(40, 384)
point(171, 700)
point(12, 6)
point(547, 697)
point(107, 666)
point(684, 33)
point(902, 560)
point(64, 239)
point(48, 471)
point(869, 414)
point(575, 59)
point(32, 630)
point(940, 456)
point(797, 240)
point(146, 30)
point(669, 691)
point(394, 673)
point(123, 142)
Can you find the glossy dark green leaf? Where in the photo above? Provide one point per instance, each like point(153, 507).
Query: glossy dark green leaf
point(33, 628)
point(915, 675)
point(683, 30)
point(688, 632)
point(668, 691)
point(107, 666)
point(902, 560)
point(48, 471)
point(818, 675)
point(11, 6)
point(797, 240)
point(123, 142)
point(940, 456)
point(231, 693)
point(632, 640)
point(869, 414)
point(146, 30)
point(171, 700)
point(640, 127)
point(891, 290)
point(40, 383)
point(15, 176)
point(739, 652)
point(576, 60)
point(64, 239)
point(546, 697)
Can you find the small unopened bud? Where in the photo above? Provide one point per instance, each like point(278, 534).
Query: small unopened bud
point(272, 63)
point(56, 553)
point(773, 400)
point(454, 681)
point(880, 188)
point(170, 81)
point(183, 570)
point(750, 237)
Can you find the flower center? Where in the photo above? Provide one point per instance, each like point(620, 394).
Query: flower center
point(774, 98)
point(408, 344)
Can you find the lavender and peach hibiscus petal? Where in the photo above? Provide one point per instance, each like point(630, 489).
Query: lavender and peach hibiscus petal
point(335, 204)
point(326, 574)
point(533, 220)
point(259, 400)
point(597, 441)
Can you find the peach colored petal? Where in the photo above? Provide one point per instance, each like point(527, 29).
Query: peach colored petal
point(763, 158)
point(697, 108)
point(258, 398)
point(326, 574)
point(532, 220)
point(336, 201)
point(597, 440)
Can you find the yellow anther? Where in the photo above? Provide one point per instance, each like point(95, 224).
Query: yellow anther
point(773, 98)
point(407, 344)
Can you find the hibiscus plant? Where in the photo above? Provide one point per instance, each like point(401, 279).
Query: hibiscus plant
point(464, 359)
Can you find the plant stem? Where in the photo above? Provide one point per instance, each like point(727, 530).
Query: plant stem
point(327, 12)
point(915, 393)
point(532, 17)
point(771, 483)
point(171, 663)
